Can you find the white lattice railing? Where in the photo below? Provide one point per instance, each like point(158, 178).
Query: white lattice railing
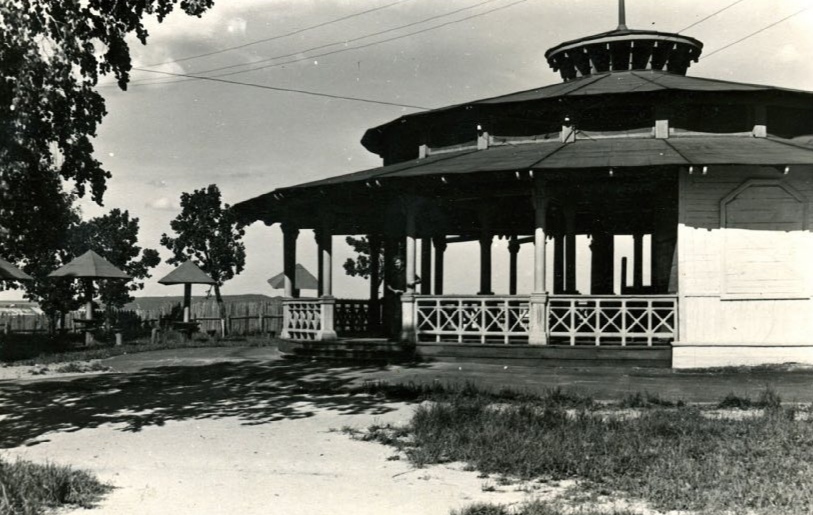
point(302, 318)
point(472, 319)
point(612, 320)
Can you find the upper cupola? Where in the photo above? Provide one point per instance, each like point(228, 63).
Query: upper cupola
point(624, 49)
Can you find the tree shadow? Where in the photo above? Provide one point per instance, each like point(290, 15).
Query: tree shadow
point(254, 392)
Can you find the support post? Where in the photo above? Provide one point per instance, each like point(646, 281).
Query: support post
point(601, 276)
point(426, 266)
point(326, 299)
point(289, 235)
point(486, 239)
point(89, 313)
point(760, 122)
point(513, 250)
point(637, 262)
point(538, 330)
point(570, 249)
point(374, 315)
point(408, 334)
point(558, 263)
point(187, 302)
point(440, 249)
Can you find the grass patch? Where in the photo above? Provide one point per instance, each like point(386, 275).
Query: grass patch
point(30, 489)
point(673, 457)
point(648, 400)
point(768, 400)
point(536, 507)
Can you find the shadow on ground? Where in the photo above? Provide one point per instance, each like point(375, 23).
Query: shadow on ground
point(254, 392)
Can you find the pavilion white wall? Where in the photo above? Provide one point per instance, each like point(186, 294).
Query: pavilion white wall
point(724, 317)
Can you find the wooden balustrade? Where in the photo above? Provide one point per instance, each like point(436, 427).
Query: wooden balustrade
point(612, 320)
point(472, 319)
point(352, 317)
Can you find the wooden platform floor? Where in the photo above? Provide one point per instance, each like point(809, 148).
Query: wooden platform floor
point(381, 349)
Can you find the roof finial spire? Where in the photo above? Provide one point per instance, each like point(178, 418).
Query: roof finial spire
point(622, 16)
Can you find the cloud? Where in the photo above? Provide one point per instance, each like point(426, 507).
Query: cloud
point(158, 183)
point(163, 204)
point(788, 54)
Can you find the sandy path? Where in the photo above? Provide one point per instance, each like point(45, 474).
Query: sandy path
point(290, 466)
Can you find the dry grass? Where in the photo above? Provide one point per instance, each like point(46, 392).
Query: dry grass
point(673, 457)
point(28, 489)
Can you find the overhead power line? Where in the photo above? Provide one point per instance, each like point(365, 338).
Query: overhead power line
point(709, 16)
point(281, 36)
point(327, 45)
point(763, 29)
point(358, 47)
point(293, 90)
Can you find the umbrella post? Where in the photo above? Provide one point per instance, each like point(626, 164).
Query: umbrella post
point(89, 313)
point(187, 302)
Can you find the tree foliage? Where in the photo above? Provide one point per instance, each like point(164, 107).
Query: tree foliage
point(209, 234)
point(360, 265)
point(52, 54)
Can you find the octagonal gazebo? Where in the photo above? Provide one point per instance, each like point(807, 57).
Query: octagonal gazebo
point(715, 177)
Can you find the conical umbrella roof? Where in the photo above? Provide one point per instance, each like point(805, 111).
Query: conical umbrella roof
point(304, 279)
point(9, 272)
point(90, 266)
point(187, 273)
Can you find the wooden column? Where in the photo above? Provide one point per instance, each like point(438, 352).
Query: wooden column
point(513, 250)
point(326, 299)
point(426, 266)
point(570, 249)
point(393, 283)
point(289, 236)
point(187, 302)
point(374, 315)
point(408, 298)
point(637, 261)
point(559, 263)
point(601, 277)
point(440, 248)
point(538, 330)
point(486, 239)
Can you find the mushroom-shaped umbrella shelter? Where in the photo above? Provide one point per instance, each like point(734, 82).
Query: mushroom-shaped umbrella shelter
point(89, 266)
point(9, 272)
point(303, 280)
point(187, 274)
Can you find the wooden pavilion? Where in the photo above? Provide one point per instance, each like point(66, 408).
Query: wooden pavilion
point(716, 177)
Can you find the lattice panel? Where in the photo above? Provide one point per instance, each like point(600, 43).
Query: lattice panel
point(352, 316)
point(472, 319)
point(616, 320)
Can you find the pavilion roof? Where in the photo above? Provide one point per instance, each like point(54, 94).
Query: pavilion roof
point(598, 85)
point(9, 272)
point(583, 154)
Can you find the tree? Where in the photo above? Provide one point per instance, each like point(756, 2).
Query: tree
point(52, 53)
point(360, 266)
point(208, 233)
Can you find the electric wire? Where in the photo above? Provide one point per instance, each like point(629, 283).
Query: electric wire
point(281, 36)
point(763, 29)
point(709, 16)
point(358, 47)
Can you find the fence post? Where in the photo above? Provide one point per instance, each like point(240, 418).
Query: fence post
point(261, 323)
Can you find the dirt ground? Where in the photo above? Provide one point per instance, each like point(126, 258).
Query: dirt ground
point(232, 430)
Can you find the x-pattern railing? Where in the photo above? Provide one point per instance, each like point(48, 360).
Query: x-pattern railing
point(612, 320)
point(481, 319)
point(302, 318)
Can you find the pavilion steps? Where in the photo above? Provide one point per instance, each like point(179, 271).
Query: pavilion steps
point(548, 355)
point(350, 349)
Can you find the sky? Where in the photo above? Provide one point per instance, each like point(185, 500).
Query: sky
point(166, 135)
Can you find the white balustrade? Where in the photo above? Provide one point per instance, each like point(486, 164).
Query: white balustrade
point(612, 319)
point(472, 319)
point(302, 319)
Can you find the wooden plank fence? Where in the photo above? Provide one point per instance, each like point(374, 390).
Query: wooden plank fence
point(241, 318)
